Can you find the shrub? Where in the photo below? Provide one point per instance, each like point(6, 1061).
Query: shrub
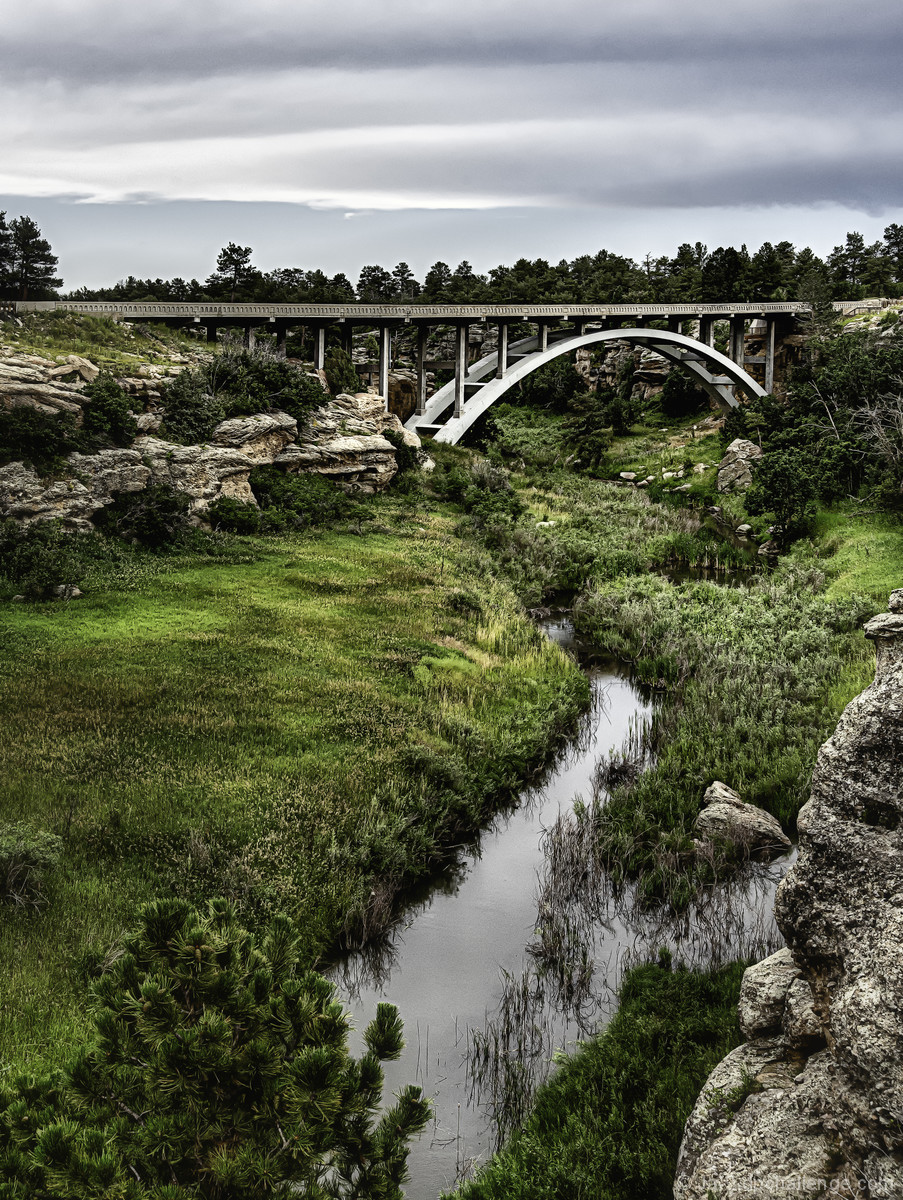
point(247, 383)
point(192, 411)
point(38, 438)
point(27, 856)
point(680, 397)
point(407, 457)
point(783, 485)
point(299, 501)
point(217, 1067)
point(107, 418)
point(588, 427)
point(38, 558)
point(234, 516)
point(156, 517)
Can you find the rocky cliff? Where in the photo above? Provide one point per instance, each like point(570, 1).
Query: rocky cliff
point(342, 440)
point(812, 1103)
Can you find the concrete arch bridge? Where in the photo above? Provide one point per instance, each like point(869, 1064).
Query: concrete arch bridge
point(449, 413)
point(560, 329)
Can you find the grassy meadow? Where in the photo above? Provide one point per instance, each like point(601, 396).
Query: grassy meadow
point(303, 730)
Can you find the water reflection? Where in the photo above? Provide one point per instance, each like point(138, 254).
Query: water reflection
point(516, 952)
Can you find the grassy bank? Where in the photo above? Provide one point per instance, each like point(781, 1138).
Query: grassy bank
point(609, 1124)
point(303, 728)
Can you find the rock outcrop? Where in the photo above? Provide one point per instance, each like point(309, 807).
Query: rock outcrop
point(735, 471)
point(812, 1104)
point(342, 440)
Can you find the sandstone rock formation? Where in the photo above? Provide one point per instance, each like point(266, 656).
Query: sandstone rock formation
point(735, 471)
point(814, 1100)
point(727, 817)
point(341, 440)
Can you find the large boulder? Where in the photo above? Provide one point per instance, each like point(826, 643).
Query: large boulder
point(343, 441)
point(204, 473)
point(735, 471)
point(260, 438)
point(824, 1114)
point(727, 817)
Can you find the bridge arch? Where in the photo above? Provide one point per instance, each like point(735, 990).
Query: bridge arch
point(483, 384)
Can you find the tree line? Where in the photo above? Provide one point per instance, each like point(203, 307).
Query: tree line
point(851, 271)
point(695, 273)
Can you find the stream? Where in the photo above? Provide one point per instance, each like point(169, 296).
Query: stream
point(515, 954)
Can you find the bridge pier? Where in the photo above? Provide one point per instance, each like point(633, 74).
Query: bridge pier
point(502, 350)
point(423, 333)
point(770, 326)
point(385, 361)
point(737, 346)
point(461, 339)
point(707, 331)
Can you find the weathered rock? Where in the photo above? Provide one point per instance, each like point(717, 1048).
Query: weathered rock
point(342, 441)
point(74, 365)
point(261, 438)
point(203, 473)
point(628, 475)
point(402, 395)
point(836, 1128)
point(95, 480)
point(763, 994)
point(726, 817)
point(735, 471)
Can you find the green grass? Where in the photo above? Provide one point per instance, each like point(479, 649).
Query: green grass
point(608, 1125)
point(754, 677)
point(303, 731)
point(104, 341)
point(861, 552)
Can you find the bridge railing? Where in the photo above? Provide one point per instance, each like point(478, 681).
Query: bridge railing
point(210, 310)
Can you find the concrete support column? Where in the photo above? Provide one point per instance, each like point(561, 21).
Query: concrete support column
point(770, 324)
point(738, 337)
point(461, 335)
point(347, 334)
point(579, 328)
point(707, 330)
point(211, 334)
point(674, 324)
point(385, 361)
point(542, 337)
point(502, 366)
point(423, 332)
point(249, 338)
point(319, 333)
point(281, 338)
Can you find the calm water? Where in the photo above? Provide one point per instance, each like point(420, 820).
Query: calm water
point(516, 954)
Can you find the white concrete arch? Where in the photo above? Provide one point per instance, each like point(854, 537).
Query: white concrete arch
point(715, 372)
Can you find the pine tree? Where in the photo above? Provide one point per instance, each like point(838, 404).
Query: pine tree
point(219, 1070)
point(32, 263)
point(6, 262)
point(233, 271)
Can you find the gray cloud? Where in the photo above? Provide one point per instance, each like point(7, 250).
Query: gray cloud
point(484, 106)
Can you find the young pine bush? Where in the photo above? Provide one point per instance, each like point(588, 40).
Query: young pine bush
point(27, 857)
point(218, 1067)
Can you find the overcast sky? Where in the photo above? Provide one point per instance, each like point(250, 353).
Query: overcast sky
point(333, 133)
